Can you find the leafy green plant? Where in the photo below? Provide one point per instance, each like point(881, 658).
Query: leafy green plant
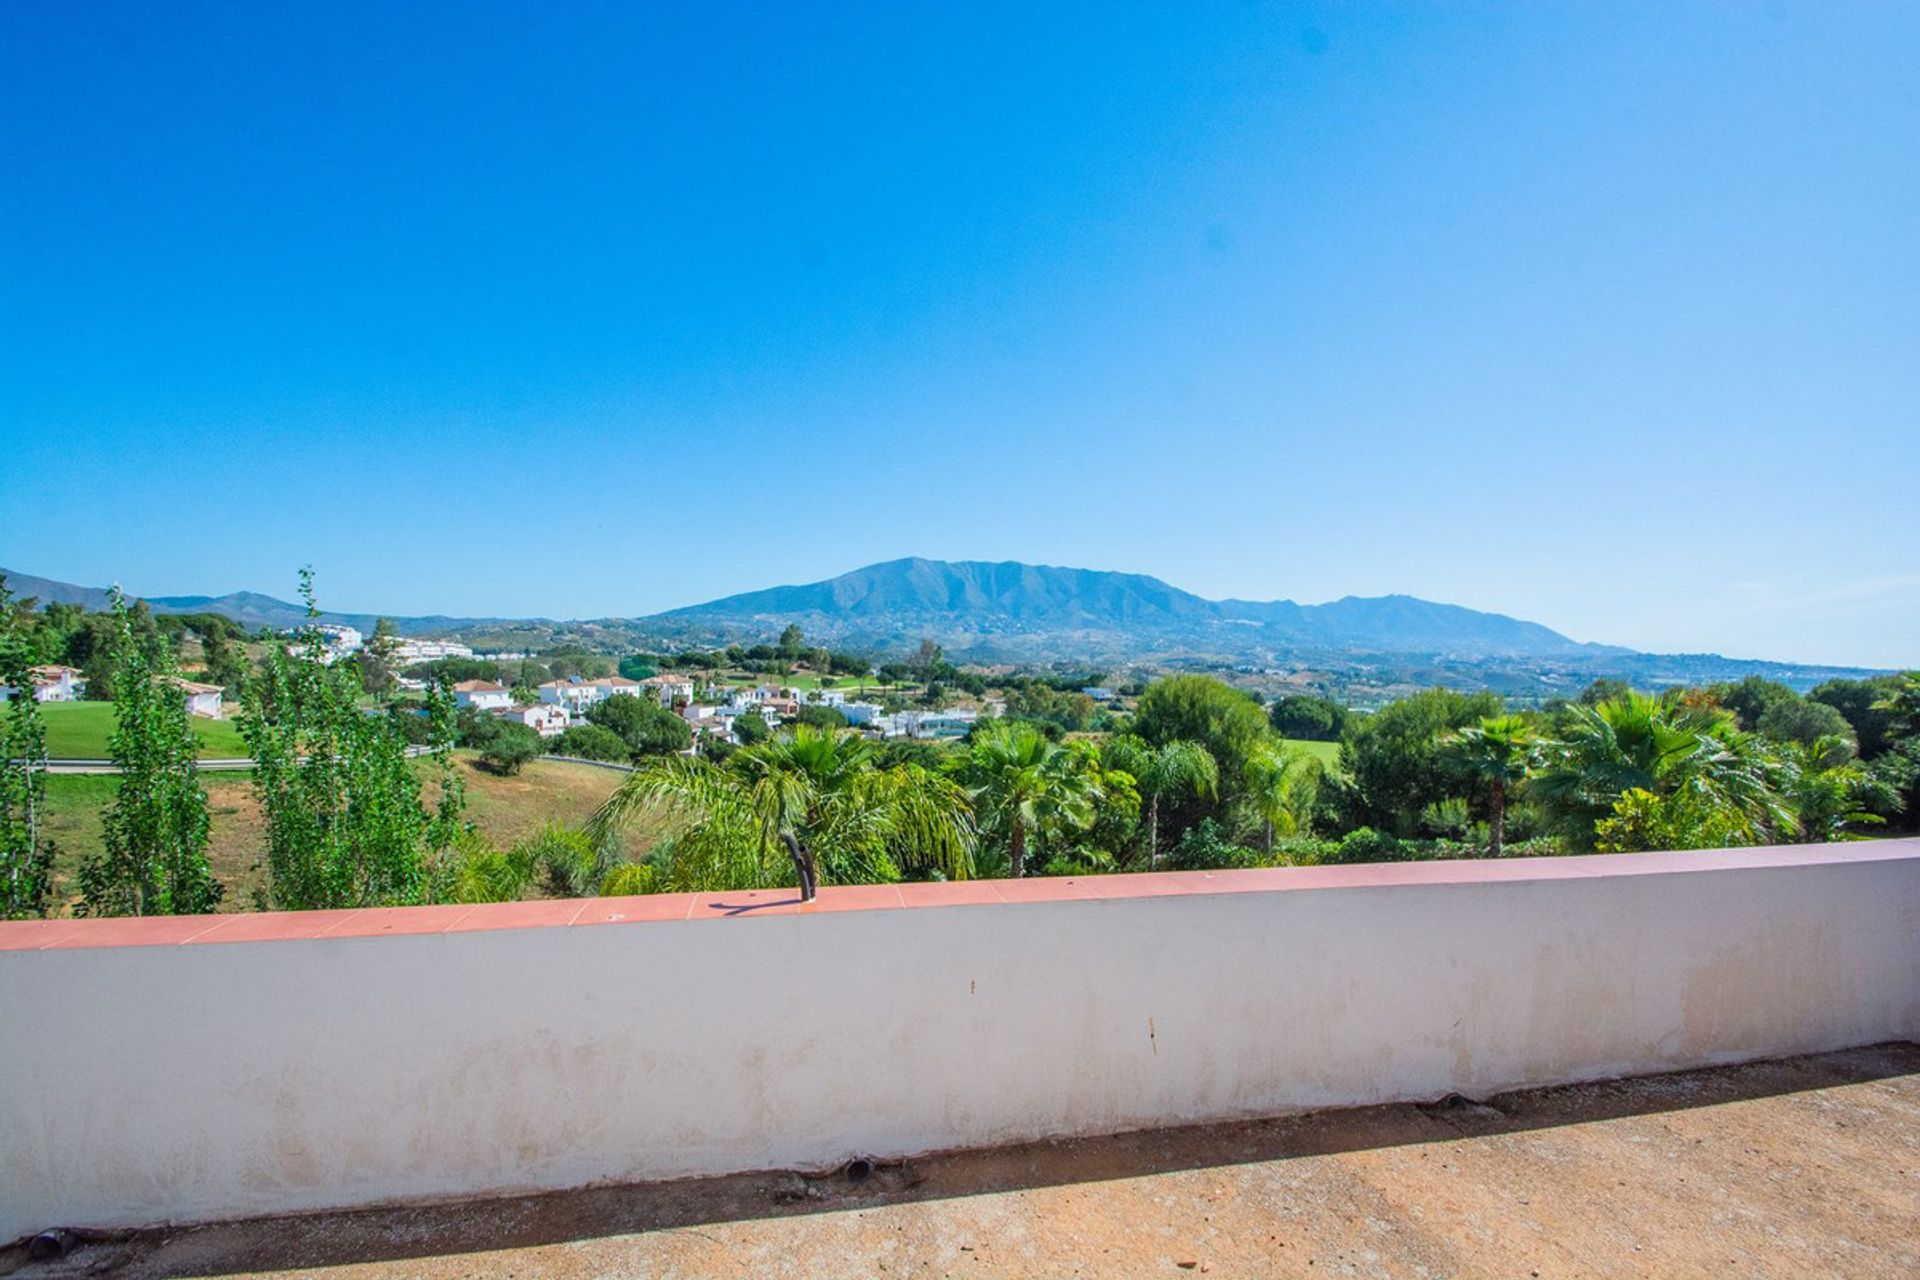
point(511, 748)
point(26, 854)
point(155, 859)
point(629, 879)
point(806, 803)
point(486, 874)
point(346, 822)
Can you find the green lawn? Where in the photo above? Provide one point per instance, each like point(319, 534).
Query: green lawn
point(1327, 753)
point(78, 730)
point(503, 809)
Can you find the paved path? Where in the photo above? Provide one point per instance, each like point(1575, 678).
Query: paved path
point(218, 765)
point(1807, 1167)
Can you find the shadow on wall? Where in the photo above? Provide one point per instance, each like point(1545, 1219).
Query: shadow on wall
point(377, 1235)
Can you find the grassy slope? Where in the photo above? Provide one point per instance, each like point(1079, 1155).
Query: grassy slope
point(79, 730)
point(504, 809)
point(1327, 753)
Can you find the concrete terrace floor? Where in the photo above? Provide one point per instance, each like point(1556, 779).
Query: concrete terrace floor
point(1803, 1167)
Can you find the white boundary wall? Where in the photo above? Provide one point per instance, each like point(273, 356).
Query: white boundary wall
point(175, 1083)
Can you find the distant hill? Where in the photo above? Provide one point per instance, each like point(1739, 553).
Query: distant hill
point(972, 604)
point(1009, 612)
point(248, 608)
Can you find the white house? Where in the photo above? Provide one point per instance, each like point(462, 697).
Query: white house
point(202, 699)
point(545, 719)
point(860, 713)
point(928, 724)
point(484, 695)
point(669, 689)
point(577, 693)
point(53, 684)
point(407, 653)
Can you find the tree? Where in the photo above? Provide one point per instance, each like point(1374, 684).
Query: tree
point(1832, 793)
point(1495, 754)
point(511, 748)
point(1706, 779)
point(26, 854)
point(1393, 762)
point(220, 661)
point(1166, 772)
point(648, 728)
point(1019, 783)
point(96, 648)
point(1861, 703)
point(821, 717)
point(807, 806)
point(751, 728)
point(1224, 720)
point(1307, 717)
point(1280, 784)
point(1902, 705)
point(1751, 698)
point(638, 667)
point(592, 742)
point(376, 658)
point(1801, 721)
point(792, 641)
point(346, 822)
point(155, 830)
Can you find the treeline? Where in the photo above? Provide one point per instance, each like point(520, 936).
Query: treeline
point(68, 635)
point(1200, 779)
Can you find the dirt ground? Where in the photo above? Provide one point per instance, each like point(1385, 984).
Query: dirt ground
point(1798, 1168)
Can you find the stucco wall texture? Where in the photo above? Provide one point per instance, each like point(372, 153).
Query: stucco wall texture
point(158, 1072)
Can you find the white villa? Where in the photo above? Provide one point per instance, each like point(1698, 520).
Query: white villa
point(545, 719)
point(482, 694)
point(927, 724)
point(202, 699)
point(53, 684)
point(407, 653)
point(669, 689)
point(577, 693)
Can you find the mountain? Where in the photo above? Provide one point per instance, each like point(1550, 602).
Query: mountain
point(1367, 648)
point(1002, 608)
point(248, 608)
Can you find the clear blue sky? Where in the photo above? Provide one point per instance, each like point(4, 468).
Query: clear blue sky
point(1602, 315)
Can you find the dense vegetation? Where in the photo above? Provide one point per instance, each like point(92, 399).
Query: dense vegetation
point(1182, 772)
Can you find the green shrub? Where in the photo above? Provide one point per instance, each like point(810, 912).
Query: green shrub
point(1202, 848)
point(512, 747)
point(629, 878)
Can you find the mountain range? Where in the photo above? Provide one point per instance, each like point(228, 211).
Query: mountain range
point(974, 606)
point(1010, 612)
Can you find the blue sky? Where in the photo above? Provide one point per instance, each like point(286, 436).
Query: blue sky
point(1601, 315)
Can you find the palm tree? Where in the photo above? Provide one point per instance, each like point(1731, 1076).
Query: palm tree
point(1280, 785)
point(1497, 753)
point(1170, 771)
point(1904, 703)
point(1026, 784)
point(817, 796)
point(1833, 793)
point(1640, 743)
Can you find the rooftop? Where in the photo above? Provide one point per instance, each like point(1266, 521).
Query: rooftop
point(1798, 1167)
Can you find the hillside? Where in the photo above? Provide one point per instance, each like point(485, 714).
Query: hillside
point(1004, 607)
point(250, 609)
point(1009, 612)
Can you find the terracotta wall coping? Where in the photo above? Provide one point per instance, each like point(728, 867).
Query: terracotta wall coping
point(276, 926)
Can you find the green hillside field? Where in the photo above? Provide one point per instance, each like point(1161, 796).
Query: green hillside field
point(79, 731)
